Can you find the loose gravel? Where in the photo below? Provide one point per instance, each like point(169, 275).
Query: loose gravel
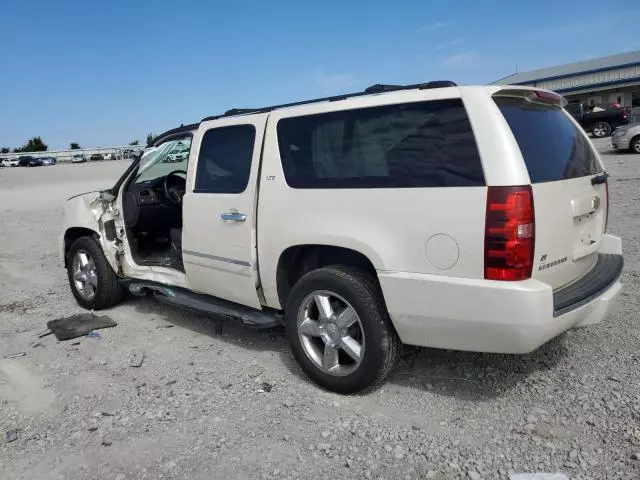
point(171, 394)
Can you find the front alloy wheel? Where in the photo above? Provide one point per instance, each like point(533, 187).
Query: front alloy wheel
point(92, 280)
point(85, 276)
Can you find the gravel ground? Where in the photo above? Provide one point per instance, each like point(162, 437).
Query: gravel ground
point(215, 400)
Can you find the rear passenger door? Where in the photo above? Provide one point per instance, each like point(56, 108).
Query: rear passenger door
point(219, 209)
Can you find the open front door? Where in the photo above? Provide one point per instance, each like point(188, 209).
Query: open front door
point(219, 209)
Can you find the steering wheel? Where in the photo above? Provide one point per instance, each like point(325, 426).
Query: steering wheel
point(175, 186)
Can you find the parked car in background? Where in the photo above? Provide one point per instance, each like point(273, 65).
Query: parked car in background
point(176, 157)
point(48, 160)
point(131, 152)
point(10, 162)
point(96, 156)
point(627, 137)
point(601, 121)
point(29, 161)
point(78, 158)
point(463, 218)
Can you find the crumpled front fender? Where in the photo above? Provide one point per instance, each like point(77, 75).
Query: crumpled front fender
point(87, 211)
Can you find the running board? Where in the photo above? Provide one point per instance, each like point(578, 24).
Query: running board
point(207, 304)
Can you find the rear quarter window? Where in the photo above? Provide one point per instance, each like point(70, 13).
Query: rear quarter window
point(412, 145)
point(552, 146)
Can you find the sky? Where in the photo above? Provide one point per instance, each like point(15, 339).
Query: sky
point(105, 73)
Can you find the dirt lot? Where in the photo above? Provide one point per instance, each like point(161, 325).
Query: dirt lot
point(215, 400)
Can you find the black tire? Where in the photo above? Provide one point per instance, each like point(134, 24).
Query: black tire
point(634, 144)
point(108, 292)
point(603, 129)
point(363, 293)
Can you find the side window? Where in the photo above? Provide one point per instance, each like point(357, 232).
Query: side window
point(412, 145)
point(224, 162)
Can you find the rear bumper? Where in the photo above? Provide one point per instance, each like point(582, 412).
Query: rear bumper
point(490, 316)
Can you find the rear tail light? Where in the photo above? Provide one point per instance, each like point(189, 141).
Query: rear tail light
point(509, 233)
point(606, 218)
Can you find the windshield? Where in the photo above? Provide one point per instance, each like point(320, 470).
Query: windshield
point(157, 162)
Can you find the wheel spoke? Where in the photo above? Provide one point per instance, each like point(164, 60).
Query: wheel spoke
point(330, 358)
point(309, 327)
point(80, 276)
point(347, 317)
point(351, 347)
point(92, 279)
point(325, 310)
point(84, 259)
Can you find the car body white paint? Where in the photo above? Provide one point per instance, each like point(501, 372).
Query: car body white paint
point(444, 304)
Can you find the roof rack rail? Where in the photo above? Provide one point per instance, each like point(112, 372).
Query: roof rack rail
point(239, 111)
point(438, 84)
point(381, 87)
point(377, 88)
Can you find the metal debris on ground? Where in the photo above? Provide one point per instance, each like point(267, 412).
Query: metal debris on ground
point(11, 435)
point(135, 359)
point(94, 334)
point(14, 355)
point(78, 325)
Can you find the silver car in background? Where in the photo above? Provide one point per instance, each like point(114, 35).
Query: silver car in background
point(627, 137)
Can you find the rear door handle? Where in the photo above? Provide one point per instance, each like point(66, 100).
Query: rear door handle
point(233, 217)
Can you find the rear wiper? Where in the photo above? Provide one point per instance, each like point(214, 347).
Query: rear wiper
point(598, 179)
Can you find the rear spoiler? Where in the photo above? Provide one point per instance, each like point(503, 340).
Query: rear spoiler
point(534, 96)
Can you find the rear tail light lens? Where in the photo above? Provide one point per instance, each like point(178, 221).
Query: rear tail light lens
point(509, 233)
point(606, 221)
point(550, 97)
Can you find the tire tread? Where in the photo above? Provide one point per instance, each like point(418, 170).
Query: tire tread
point(109, 292)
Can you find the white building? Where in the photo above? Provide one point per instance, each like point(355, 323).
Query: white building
point(601, 81)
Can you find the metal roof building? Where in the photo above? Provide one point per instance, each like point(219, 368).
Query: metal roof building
point(614, 79)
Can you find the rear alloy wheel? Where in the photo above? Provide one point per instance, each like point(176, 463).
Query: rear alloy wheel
point(635, 144)
point(601, 129)
point(92, 281)
point(339, 329)
point(331, 333)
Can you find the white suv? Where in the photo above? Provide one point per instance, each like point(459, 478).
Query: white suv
point(469, 218)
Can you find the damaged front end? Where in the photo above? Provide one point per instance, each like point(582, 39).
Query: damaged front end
point(95, 213)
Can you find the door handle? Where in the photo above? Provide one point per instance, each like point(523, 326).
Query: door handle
point(233, 217)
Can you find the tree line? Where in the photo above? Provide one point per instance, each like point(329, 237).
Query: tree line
point(36, 144)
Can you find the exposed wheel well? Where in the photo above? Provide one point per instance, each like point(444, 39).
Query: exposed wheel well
point(298, 260)
point(72, 234)
point(632, 141)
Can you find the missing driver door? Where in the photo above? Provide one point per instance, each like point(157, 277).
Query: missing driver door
point(219, 209)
